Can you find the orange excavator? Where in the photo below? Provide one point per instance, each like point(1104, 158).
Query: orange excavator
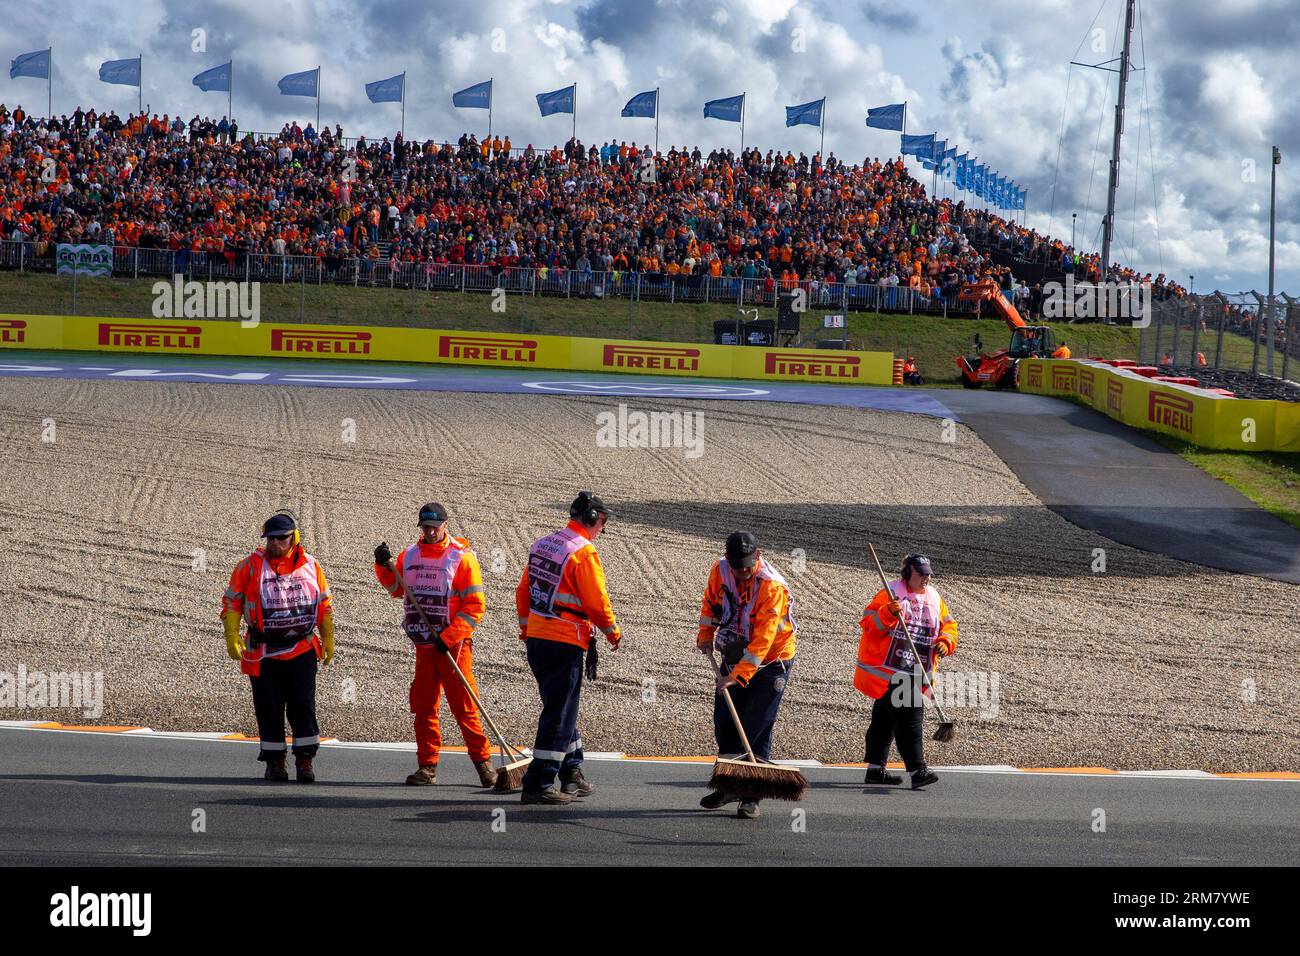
point(1027, 341)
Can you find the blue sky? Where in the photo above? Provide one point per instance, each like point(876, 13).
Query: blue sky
point(1221, 85)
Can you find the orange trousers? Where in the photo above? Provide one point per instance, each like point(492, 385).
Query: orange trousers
point(433, 674)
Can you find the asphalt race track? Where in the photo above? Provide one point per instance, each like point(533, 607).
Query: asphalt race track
point(1094, 472)
point(74, 799)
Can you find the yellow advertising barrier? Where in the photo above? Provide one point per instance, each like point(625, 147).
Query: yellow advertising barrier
point(1193, 414)
point(443, 347)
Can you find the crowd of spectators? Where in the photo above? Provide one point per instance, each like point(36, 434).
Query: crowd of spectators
point(205, 187)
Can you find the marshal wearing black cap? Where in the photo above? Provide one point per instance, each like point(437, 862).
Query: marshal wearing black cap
point(280, 592)
point(906, 620)
point(747, 616)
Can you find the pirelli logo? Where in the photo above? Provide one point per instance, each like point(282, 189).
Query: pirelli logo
point(651, 357)
point(139, 335)
point(1115, 396)
point(813, 365)
point(1035, 378)
point(13, 331)
point(312, 342)
point(482, 349)
point(1087, 383)
point(1172, 411)
point(1065, 378)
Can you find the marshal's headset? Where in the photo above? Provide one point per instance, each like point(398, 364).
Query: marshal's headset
point(584, 510)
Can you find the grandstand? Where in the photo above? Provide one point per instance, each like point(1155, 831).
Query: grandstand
point(204, 198)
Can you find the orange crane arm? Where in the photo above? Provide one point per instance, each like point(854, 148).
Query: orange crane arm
point(988, 289)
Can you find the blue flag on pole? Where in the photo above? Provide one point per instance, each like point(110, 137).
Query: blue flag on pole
point(805, 114)
point(387, 91)
point(729, 108)
point(306, 83)
point(959, 171)
point(557, 101)
point(476, 97)
point(643, 104)
point(930, 160)
point(122, 72)
point(30, 64)
point(887, 117)
point(918, 146)
point(978, 183)
point(948, 164)
point(215, 80)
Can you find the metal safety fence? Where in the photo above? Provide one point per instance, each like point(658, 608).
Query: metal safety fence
point(1238, 331)
point(296, 274)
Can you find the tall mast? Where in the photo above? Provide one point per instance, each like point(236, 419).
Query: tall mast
point(1108, 224)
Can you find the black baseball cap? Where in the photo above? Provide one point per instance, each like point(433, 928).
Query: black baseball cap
point(278, 525)
point(918, 563)
point(432, 513)
point(742, 549)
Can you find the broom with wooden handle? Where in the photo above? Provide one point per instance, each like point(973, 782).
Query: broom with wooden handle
point(749, 779)
point(510, 777)
point(947, 729)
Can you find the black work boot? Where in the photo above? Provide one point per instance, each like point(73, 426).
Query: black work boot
point(275, 767)
point(303, 769)
point(717, 799)
point(923, 778)
point(879, 775)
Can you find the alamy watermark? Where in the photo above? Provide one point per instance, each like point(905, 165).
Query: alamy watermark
point(77, 690)
point(179, 299)
point(977, 690)
point(1116, 301)
point(636, 429)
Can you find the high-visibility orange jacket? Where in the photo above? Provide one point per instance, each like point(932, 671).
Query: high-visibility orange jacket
point(466, 602)
point(306, 606)
point(244, 594)
point(1062, 352)
point(882, 652)
point(765, 602)
point(581, 599)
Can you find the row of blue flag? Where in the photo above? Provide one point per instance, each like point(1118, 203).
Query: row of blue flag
point(933, 153)
point(963, 171)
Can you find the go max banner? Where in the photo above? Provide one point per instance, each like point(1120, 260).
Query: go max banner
point(84, 259)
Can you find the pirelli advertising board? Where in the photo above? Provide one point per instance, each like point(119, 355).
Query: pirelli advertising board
point(1193, 414)
point(437, 346)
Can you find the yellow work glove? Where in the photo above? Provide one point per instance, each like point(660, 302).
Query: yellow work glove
point(234, 643)
point(327, 639)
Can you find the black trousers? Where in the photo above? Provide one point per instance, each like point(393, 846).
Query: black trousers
point(756, 703)
point(898, 715)
point(558, 668)
point(287, 686)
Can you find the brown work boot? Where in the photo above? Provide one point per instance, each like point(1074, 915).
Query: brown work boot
point(426, 775)
point(487, 774)
point(275, 767)
point(303, 770)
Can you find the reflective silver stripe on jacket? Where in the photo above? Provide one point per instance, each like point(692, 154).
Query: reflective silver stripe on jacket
point(876, 671)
